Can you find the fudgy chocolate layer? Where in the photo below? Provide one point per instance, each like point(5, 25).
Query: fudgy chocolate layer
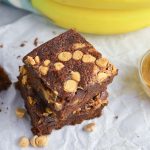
point(67, 108)
point(44, 121)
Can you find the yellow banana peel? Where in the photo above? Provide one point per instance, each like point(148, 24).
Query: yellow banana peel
point(96, 21)
point(107, 4)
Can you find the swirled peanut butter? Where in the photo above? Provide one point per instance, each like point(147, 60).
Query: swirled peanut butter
point(146, 70)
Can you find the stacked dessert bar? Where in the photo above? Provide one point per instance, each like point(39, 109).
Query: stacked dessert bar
point(64, 82)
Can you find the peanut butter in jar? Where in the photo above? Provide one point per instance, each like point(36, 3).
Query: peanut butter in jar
point(144, 72)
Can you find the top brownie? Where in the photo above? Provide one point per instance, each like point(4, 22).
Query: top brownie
point(69, 63)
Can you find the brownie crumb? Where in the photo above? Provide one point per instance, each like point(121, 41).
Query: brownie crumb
point(35, 41)
point(18, 56)
point(1, 45)
point(0, 110)
point(116, 117)
point(22, 44)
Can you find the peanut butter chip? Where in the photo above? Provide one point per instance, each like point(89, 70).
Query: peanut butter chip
point(23, 142)
point(101, 76)
point(58, 106)
point(22, 70)
point(78, 45)
point(30, 60)
point(46, 62)
point(32, 141)
point(37, 59)
point(64, 56)
point(43, 70)
point(41, 141)
point(24, 79)
point(87, 58)
point(90, 127)
point(58, 66)
point(77, 55)
point(20, 112)
point(70, 86)
point(75, 76)
point(102, 62)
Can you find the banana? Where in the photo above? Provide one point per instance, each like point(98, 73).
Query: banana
point(94, 21)
point(107, 4)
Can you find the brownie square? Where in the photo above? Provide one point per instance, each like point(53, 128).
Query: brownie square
point(4, 80)
point(44, 121)
point(67, 72)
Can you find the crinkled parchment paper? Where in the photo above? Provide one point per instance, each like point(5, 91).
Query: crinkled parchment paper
point(125, 123)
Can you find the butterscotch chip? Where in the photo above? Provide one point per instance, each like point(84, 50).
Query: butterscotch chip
point(90, 127)
point(37, 59)
point(58, 65)
point(87, 58)
point(70, 86)
point(41, 141)
point(75, 76)
point(43, 70)
point(20, 112)
point(77, 55)
point(30, 60)
point(23, 142)
point(101, 76)
point(102, 62)
point(58, 106)
point(32, 141)
point(46, 62)
point(22, 70)
point(64, 56)
point(24, 79)
point(78, 45)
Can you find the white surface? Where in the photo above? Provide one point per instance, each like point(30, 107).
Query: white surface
point(131, 131)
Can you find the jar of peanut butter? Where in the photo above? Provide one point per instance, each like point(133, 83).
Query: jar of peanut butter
point(144, 72)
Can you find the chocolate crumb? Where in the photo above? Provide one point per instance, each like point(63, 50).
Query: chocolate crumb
point(2, 103)
point(22, 44)
point(1, 45)
point(0, 110)
point(116, 117)
point(18, 56)
point(35, 41)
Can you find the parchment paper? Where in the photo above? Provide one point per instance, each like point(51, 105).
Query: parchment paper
point(125, 123)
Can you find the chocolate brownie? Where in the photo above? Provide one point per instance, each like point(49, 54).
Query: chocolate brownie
point(4, 80)
point(44, 121)
point(70, 70)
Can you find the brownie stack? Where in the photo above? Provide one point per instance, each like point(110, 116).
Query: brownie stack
point(64, 82)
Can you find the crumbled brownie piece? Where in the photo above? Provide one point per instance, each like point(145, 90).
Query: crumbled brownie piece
point(4, 80)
